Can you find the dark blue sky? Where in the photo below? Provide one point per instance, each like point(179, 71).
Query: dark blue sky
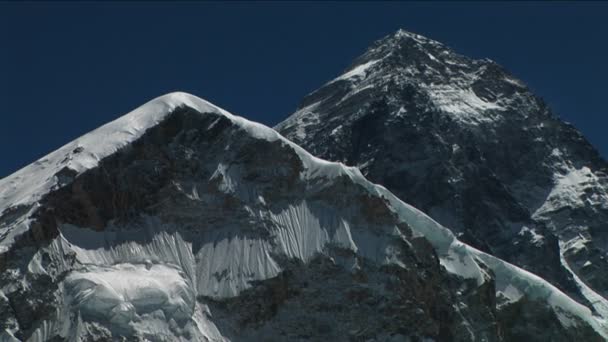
point(66, 68)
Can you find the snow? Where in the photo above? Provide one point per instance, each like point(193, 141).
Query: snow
point(8, 336)
point(26, 186)
point(121, 292)
point(536, 238)
point(29, 184)
point(147, 297)
point(142, 278)
point(305, 117)
point(511, 281)
point(556, 151)
point(145, 275)
point(537, 288)
point(506, 275)
point(401, 112)
point(576, 243)
point(511, 293)
point(599, 303)
point(432, 57)
point(570, 190)
point(416, 37)
point(514, 81)
point(462, 103)
point(358, 71)
point(336, 130)
point(455, 63)
point(34, 180)
point(226, 263)
point(226, 266)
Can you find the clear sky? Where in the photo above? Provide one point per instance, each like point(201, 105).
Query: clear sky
point(66, 68)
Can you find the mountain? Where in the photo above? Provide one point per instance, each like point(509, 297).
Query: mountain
point(469, 144)
point(180, 221)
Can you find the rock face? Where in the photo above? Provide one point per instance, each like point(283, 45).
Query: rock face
point(180, 221)
point(469, 144)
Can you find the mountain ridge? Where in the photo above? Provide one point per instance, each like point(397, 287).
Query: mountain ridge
point(468, 143)
point(181, 221)
point(194, 216)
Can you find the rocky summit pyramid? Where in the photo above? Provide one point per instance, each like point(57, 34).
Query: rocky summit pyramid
point(182, 222)
point(469, 144)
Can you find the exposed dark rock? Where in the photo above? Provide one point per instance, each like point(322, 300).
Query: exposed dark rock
point(469, 144)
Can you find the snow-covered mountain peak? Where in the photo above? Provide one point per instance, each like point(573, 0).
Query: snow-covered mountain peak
point(410, 56)
point(395, 50)
point(405, 48)
point(180, 221)
point(403, 35)
point(85, 152)
point(21, 190)
point(459, 89)
point(472, 146)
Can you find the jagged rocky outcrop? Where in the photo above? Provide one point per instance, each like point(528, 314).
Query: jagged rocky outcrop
point(468, 143)
point(180, 221)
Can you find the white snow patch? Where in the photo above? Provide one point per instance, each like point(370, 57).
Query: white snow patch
point(462, 103)
point(432, 57)
point(510, 293)
point(455, 63)
point(359, 71)
point(536, 238)
point(514, 81)
point(556, 152)
point(301, 119)
point(401, 112)
point(570, 191)
point(119, 292)
point(575, 244)
point(336, 130)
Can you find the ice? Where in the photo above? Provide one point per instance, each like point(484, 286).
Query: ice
point(146, 275)
point(122, 292)
point(226, 266)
